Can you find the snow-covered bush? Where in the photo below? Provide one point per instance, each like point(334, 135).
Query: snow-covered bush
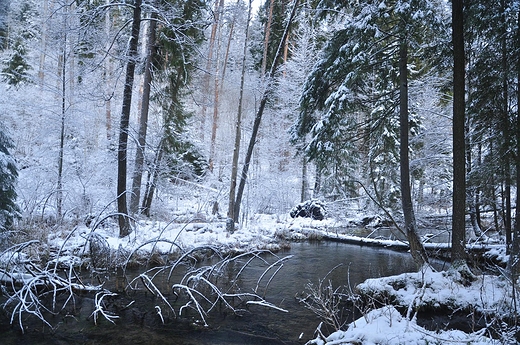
point(314, 209)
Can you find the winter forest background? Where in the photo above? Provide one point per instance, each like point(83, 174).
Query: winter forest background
point(204, 120)
point(314, 87)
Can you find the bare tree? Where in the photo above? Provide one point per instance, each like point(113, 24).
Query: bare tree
point(258, 117)
point(238, 124)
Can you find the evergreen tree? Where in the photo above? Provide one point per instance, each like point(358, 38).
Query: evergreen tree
point(9, 211)
point(4, 8)
point(491, 109)
point(16, 70)
point(175, 59)
point(271, 15)
point(360, 89)
point(350, 102)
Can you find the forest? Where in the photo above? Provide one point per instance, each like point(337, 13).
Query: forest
point(163, 133)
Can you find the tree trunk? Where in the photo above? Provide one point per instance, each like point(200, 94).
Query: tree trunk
point(317, 182)
point(207, 76)
point(266, 38)
point(214, 125)
point(59, 192)
point(514, 257)
point(230, 38)
point(505, 125)
point(43, 52)
point(151, 182)
point(122, 209)
point(471, 192)
point(143, 120)
point(478, 190)
point(260, 112)
point(238, 130)
point(458, 254)
point(305, 187)
point(416, 247)
point(108, 76)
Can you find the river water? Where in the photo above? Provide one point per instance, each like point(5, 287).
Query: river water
point(342, 264)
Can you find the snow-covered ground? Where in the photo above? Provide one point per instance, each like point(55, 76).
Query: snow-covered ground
point(487, 294)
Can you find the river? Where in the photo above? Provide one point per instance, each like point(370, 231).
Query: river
point(344, 264)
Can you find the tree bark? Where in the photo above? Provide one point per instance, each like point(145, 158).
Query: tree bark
point(267, 34)
point(416, 247)
point(152, 181)
point(260, 112)
point(238, 125)
point(218, 5)
point(108, 76)
point(122, 208)
point(505, 125)
point(458, 254)
point(62, 69)
point(514, 257)
point(143, 120)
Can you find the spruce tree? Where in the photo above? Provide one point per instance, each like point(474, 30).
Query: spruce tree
point(16, 67)
point(9, 211)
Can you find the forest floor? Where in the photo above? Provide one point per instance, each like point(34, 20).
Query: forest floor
point(485, 297)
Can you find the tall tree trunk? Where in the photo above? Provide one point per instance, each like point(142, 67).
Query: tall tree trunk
point(219, 4)
point(266, 38)
point(108, 76)
point(304, 193)
point(514, 257)
point(256, 124)
point(43, 52)
point(143, 120)
point(62, 79)
point(416, 247)
point(62, 69)
point(478, 190)
point(230, 38)
point(238, 130)
point(317, 182)
point(458, 254)
point(122, 208)
point(151, 182)
point(471, 192)
point(505, 125)
point(214, 125)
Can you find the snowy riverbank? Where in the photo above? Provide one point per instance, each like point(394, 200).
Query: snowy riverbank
point(488, 296)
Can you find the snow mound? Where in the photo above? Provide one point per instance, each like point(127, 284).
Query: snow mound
point(386, 326)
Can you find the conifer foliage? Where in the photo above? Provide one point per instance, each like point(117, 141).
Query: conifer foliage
point(8, 175)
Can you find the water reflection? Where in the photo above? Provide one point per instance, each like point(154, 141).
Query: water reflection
point(309, 263)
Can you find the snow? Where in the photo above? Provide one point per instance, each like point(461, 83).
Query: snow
point(387, 326)
point(488, 294)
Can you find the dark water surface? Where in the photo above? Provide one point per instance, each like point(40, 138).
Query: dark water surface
point(310, 262)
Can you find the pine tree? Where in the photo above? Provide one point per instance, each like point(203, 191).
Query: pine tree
point(9, 211)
